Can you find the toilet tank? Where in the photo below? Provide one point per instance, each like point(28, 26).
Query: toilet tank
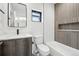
point(38, 39)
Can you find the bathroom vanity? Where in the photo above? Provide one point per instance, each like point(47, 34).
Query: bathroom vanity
point(17, 45)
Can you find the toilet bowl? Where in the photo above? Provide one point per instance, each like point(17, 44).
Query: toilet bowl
point(43, 50)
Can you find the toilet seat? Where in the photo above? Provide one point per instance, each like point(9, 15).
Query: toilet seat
point(43, 49)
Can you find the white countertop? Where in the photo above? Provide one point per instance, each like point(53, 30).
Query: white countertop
point(9, 37)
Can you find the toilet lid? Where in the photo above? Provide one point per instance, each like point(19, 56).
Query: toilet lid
point(43, 47)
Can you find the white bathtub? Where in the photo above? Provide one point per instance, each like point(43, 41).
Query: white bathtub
point(58, 49)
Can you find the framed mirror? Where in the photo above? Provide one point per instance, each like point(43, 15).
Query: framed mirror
point(17, 15)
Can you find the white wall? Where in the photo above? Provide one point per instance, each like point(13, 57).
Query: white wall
point(37, 27)
point(48, 22)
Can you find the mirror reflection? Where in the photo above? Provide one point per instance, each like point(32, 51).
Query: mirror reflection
point(17, 15)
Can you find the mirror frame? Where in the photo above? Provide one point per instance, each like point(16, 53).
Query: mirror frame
point(8, 17)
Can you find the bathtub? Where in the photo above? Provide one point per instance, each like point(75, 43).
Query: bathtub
point(59, 49)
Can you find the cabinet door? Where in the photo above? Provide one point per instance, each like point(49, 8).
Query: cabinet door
point(0, 48)
point(23, 47)
point(0, 51)
point(9, 48)
point(29, 47)
point(20, 47)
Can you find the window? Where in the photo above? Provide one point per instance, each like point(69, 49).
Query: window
point(36, 16)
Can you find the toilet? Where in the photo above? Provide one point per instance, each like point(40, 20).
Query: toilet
point(42, 48)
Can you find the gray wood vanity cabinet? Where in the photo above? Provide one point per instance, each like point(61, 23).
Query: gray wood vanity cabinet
point(0, 48)
point(17, 47)
point(0, 51)
point(23, 47)
point(8, 48)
